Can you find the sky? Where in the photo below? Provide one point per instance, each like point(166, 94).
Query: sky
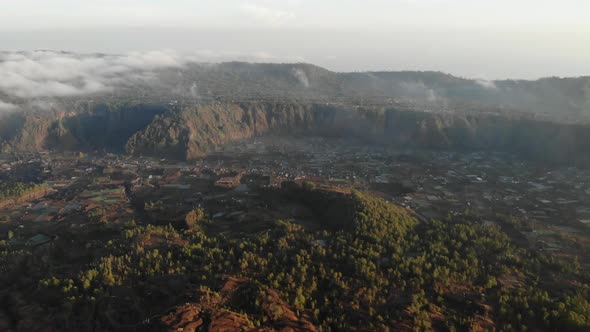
point(471, 38)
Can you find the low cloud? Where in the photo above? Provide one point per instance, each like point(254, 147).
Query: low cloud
point(301, 77)
point(6, 107)
point(36, 75)
point(59, 74)
point(194, 91)
point(418, 90)
point(487, 84)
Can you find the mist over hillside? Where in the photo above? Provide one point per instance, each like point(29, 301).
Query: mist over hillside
point(42, 79)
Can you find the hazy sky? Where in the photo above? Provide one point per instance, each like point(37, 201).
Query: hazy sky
point(485, 39)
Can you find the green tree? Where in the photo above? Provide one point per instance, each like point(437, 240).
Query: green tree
point(195, 217)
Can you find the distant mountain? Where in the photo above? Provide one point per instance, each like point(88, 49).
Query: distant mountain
point(553, 97)
point(563, 99)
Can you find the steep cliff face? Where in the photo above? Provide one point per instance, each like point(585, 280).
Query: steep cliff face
point(539, 140)
point(193, 132)
point(81, 126)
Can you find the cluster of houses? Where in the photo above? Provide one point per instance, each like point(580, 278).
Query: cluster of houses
point(431, 183)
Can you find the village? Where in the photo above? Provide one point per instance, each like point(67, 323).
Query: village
point(543, 204)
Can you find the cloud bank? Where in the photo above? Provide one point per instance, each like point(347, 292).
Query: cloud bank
point(58, 74)
point(43, 75)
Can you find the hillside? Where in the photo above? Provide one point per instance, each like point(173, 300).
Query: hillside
point(557, 98)
point(366, 265)
point(553, 97)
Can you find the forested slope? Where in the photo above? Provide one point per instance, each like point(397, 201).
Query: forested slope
point(373, 268)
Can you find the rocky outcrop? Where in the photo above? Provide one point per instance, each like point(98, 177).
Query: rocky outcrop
point(191, 131)
point(194, 132)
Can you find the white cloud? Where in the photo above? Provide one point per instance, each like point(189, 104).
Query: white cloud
point(267, 15)
point(486, 84)
point(48, 74)
point(301, 77)
point(57, 74)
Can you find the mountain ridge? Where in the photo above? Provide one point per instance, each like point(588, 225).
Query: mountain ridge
point(555, 97)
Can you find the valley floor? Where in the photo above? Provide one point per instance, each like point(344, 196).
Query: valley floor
point(297, 234)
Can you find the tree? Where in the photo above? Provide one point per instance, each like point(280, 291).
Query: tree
point(308, 186)
point(195, 217)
